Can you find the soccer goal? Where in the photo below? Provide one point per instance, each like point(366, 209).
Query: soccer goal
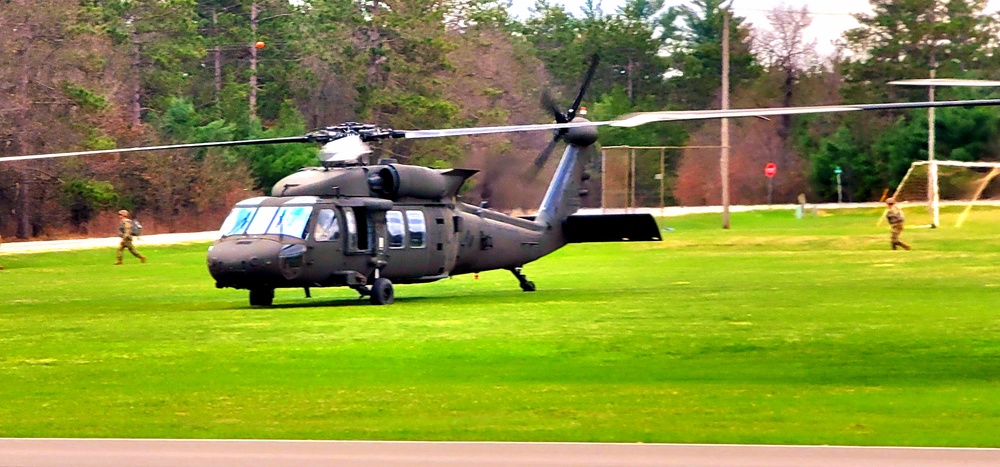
point(933, 183)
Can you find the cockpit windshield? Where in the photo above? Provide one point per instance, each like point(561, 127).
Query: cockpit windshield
point(286, 220)
point(261, 220)
point(237, 221)
point(290, 220)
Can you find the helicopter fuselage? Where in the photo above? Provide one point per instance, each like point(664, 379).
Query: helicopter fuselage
point(369, 226)
point(332, 242)
point(352, 226)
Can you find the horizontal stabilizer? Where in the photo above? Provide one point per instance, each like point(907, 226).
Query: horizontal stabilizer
point(611, 228)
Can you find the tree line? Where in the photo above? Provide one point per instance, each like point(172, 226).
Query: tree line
point(99, 74)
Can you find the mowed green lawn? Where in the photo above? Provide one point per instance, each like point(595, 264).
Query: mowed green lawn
point(778, 331)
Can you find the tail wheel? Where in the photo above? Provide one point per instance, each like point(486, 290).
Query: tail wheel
point(382, 293)
point(261, 297)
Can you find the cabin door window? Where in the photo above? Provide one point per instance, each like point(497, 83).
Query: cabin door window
point(396, 229)
point(418, 228)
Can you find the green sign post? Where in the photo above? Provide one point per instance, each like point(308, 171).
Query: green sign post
point(840, 192)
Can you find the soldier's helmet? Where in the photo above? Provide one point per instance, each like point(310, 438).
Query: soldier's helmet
point(890, 201)
point(123, 213)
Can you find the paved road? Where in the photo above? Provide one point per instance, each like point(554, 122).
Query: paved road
point(108, 242)
point(198, 453)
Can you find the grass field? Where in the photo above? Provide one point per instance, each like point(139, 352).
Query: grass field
point(778, 331)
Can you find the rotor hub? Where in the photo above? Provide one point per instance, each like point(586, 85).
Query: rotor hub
point(581, 136)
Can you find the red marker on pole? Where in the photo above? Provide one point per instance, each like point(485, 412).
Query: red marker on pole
point(770, 170)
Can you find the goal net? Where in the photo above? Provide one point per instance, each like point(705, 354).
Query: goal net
point(930, 184)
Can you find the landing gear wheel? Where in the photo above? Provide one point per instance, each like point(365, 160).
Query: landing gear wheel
point(261, 297)
point(382, 293)
point(528, 286)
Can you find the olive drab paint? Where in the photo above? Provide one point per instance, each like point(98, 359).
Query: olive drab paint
point(370, 226)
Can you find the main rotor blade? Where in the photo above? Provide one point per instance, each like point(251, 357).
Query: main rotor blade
point(289, 139)
point(642, 118)
point(946, 82)
point(417, 134)
point(631, 120)
point(594, 60)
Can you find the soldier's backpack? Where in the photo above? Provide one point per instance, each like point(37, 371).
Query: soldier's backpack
point(136, 228)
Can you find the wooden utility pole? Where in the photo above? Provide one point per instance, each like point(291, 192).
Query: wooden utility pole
point(135, 61)
point(217, 57)
point(933, 197)
point(254, 21)
point(724, 159)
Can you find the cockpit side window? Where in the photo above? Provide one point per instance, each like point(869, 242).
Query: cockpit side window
point(327, 228)
point(418, 229)
point(237, 221)
point(397, 231)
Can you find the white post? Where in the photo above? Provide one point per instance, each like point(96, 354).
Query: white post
point(933, 198)
point(631, 202)
point(663, 177)
point(604, 179)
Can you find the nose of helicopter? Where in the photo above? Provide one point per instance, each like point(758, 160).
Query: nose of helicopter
point(245, 263)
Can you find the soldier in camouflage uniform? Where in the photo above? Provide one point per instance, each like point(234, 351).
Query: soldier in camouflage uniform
point(125, 227)
point(895, 218)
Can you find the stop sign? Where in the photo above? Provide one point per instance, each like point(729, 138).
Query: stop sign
point(770, 169)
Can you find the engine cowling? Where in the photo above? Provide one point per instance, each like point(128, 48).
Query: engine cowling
point(402, 181)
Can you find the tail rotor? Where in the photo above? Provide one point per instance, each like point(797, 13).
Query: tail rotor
point(549, 103)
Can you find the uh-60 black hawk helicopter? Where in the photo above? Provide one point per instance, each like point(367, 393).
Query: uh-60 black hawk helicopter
point(367, 226)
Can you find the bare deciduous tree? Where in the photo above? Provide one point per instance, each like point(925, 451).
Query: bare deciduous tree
point(49, 70)
point(783, 48)
point(497, 85)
